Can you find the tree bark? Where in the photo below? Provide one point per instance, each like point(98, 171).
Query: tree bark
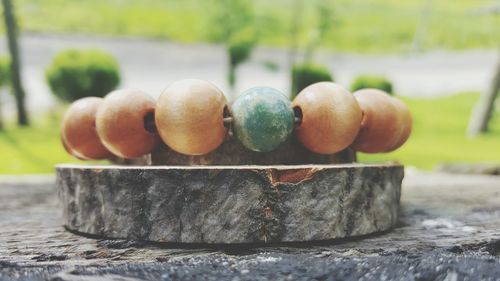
point(230, 204)
point(15, 66)
point(484, 108)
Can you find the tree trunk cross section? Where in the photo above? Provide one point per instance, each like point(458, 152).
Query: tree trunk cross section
point(230, 204)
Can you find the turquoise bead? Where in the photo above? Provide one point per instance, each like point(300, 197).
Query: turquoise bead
point(262, 118)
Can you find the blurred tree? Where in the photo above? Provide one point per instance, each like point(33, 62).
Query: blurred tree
point(295, 27)
point(15, 65)
point(308, 72)
point(229, 17)
point(4, 81)
point(240, 48)
point(325, 15)
point(422, 27)
point(483, 110)
point(233, 23)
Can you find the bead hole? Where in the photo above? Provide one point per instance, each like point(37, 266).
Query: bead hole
point(226, 116)
point(363, 118)
point(149, 122)
point(297, 112)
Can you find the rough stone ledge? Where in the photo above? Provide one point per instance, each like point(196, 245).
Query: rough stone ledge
point(230, 204)
point(470, 168)
point(448, 230)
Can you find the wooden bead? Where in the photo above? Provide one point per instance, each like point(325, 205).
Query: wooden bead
point(406, 123)
point(121, 121)
point(70, 151)
point(79, 132)
point(330, 117)
point(262, 119)
point(380, 127)
point(190, 117)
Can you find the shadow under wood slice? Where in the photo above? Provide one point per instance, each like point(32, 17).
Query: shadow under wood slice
point(230, 204)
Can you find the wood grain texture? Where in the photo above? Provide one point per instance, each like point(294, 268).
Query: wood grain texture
point(406, 123)
point(79, 133)
point(331, 117)
point(190, 116)
point(230, 204)
point(120, 123)
point(382, 125)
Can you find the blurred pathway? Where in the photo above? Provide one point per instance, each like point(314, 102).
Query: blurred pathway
point(151, 65)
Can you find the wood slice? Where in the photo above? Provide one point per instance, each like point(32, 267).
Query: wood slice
point(230, 204)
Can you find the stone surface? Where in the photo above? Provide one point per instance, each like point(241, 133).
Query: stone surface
point(448, 230)
point(262, 119)
point(470, 168)
point(230, 204)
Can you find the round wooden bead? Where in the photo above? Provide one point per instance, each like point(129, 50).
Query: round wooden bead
point(406, 123)
point(121, 121)
point(380, 127)
point(79, 130)
point(70, 151)
point(331, 117)
point(190, 117)
point(262, 118)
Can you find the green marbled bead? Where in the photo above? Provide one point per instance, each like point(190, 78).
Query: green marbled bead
point(262, 118)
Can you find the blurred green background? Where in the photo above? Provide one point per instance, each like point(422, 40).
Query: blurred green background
point(376, 27)
point(379, 26)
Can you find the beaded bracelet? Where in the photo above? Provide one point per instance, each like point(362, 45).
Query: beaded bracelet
point(193, 117)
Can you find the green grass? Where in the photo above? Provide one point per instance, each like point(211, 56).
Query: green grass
point(438, 136)
point(359, 25)
point(32, 150)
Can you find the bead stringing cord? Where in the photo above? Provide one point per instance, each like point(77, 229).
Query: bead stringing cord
point(227, 120)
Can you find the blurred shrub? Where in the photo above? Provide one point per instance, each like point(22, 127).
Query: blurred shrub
point(374, 82)
point(4, 71)
point(240, 48)
point(75, 74)
point(306, 74)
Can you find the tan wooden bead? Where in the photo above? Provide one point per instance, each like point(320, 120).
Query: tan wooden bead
point(121, 121)
point(70, 151)
point(190, 117)
point(380, 127)
point(330, 117)
point(406, 122)
point(79, 132)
